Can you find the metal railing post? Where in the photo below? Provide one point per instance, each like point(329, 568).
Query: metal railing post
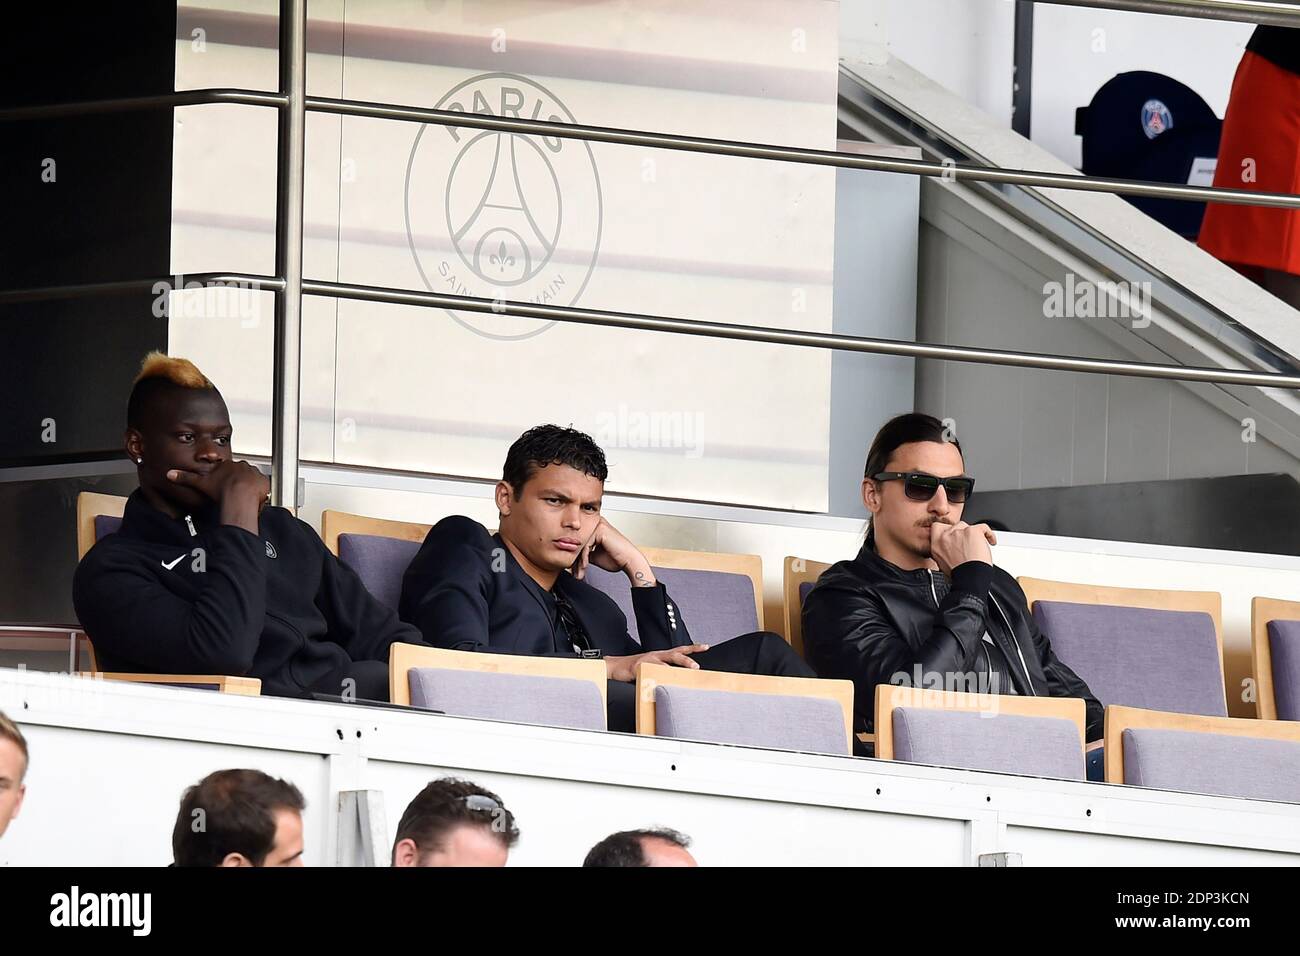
point(291, 146)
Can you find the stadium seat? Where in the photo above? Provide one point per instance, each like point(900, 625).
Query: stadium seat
point(783, 713)
point(553, 691)
point(377, 549)
point(720, 595)
point(1034, 736)
point(97, 515)
point(1225, 756)
point(798, 577)
point(1275, 650)
point(240, 686)
point(1159, 650)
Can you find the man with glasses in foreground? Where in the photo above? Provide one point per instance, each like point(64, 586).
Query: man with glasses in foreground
point(923, 604)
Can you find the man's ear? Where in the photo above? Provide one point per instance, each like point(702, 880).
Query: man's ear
point(133, 442)
point(406, 853)
point(871, 495)
point(505, 496)
point(235, 859)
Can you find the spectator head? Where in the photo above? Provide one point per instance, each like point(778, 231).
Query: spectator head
point(549, 495)
point(175, 419)
point(239, 818)
point(642, 848)
point(903, 508)
point(455, 823)
point(13, 768)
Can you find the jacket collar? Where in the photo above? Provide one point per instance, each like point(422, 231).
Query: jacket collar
point(871, 564)
point(143, 522)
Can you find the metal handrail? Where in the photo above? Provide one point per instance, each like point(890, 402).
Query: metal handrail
point(129, 104)
point(1244, 11)
point(662, 323)
point(971, 172)
point(817, 157)
point(821, 340)
point(126, 286)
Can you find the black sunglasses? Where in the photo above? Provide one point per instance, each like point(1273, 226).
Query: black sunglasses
point(921, 487)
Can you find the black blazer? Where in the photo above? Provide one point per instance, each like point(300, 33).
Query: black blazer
point(464, 590)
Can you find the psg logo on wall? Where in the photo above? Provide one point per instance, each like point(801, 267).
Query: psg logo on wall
point(503, 215)
point(1156, 118)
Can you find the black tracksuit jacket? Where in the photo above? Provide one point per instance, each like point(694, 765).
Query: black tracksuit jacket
point(191, 596)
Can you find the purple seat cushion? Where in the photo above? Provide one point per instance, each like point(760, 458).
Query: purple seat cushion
point(519, 698)
point(1004, 743)
point(804, 588)
point(1221, 764)
point(106, 525)
point(379, 562)
point(716, 605)
point(1139, 657)
point(1284, 648)
point(808, 724)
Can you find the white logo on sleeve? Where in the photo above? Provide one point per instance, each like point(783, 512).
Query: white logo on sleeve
point(173, 563)
point(270, 550)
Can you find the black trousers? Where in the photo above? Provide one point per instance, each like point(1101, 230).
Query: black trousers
point(359, 680)
point(759, 653)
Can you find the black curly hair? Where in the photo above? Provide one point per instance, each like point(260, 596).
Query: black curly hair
point(544, 445)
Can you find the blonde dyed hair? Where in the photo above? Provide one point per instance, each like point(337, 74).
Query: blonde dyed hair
point(178, 371)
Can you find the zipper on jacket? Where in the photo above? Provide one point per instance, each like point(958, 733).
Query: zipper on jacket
point(1010, 630)
point(190, 524)
point(1014, 640)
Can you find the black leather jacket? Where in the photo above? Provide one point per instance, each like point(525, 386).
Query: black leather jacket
point(867, 621)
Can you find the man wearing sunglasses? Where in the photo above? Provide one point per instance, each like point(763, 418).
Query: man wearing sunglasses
point(923, 603)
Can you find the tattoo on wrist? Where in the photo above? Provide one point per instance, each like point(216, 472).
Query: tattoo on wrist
point(641, 582)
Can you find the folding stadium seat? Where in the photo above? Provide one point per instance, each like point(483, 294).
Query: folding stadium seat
point(99, 515)
point(378, 550)
point(798, 577)
point(554, 691)
point(1158, 650)
point(720, 596)
point(1226, 756)
point(1275, 647)
point(782, 713)
point(1034, 736)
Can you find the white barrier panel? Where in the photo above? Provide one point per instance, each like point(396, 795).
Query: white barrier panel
point(110, 761)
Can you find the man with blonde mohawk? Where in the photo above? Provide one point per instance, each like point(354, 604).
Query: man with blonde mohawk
point(205, 577)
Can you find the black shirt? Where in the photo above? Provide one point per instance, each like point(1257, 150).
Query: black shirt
point(1278, 45)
